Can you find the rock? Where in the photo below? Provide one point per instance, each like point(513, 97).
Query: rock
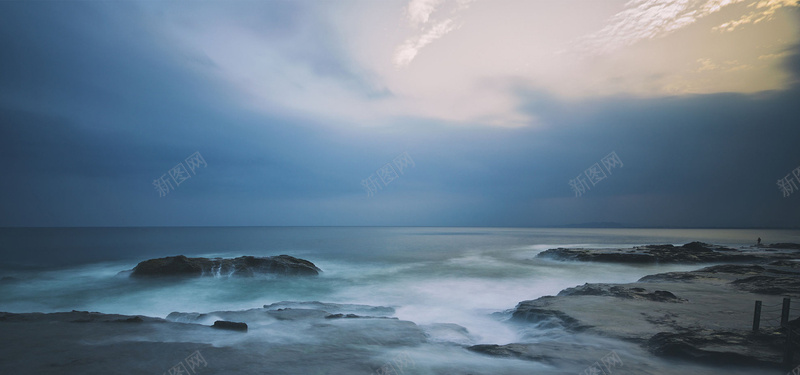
point(537, 311)
point(693, 252)
point(333, 308)
point(698, 246)
point(448, 333)
point(770, 284)
point(587, 255)
point(232, 326)
point(775, 278)
point(75, 316)
point(785, 263)
point(718, 347)
point(521, 351)
point(133, 319)
point(36, 343)
point(704, 321)
point(297, 314)
point(670, 276)
point(289, 311)
point(734, 269)
point(170, 266)
point(621, 292)
point(242, 266)
point(339, 316)
point(792, 246)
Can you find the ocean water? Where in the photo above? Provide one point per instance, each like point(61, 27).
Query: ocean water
point(428, 276)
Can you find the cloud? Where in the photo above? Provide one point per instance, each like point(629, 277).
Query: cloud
point(425, 29)
point(409, 49)
point(457, 61)
point(648, 19)
point(705, 64)
point(762, 10)
point(419, 11)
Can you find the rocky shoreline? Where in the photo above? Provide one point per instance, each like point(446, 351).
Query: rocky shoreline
point(702, 316)
point(698, 318)
point(690, 253)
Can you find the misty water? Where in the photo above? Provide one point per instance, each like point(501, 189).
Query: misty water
point(434, 277)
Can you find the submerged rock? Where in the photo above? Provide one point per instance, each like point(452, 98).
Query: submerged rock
point(539, 311)
point(693, 252)
point(719, 347)
point(232, 326)
point(785, 246)
point(242, 266)
point(770, 284)
point(448, 333)
point(520, 351)
point(333, 308)
point(76, 316)
point(776, 278)
point(348, 316)
point(621, 292)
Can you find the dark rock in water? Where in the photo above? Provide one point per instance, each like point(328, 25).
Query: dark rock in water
point(242, 266)
point(339, 316)
point(698, 246)
point(693, 252)
point(670, 276)
point(133, 319)
point(621, 292)
point(734, 269)
point(776, 278)
point(76, 316)
point(333, 308)
point(785, 246)
point(296, 314)
point(537, 311)
point(770, 284)
point(521, 351)
point(233, 326)
point(170, 266)
point(785, 263)
point(448, 333)
point(718, 347)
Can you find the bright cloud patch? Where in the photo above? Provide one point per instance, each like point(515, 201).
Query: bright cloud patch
point(762, 10)
point(426, 28)
point(648, 19)
point(408, 50)
point(467, 62)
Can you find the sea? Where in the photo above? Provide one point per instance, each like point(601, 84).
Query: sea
point(428, 275)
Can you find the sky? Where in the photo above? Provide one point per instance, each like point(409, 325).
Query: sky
point(652, 113)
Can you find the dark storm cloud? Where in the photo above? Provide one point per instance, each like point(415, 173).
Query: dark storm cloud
point(95, 105)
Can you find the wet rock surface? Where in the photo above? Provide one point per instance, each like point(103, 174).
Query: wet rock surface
point(81, 342)
point(776, 278)
point(621, 292)
point(231, 326)
point(690, 253)
point(702, 316)
point(177, 266)
point(720, 347)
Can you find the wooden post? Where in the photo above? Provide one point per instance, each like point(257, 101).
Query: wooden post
point(785, 312)
point(788, 354)
point(757, 316)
